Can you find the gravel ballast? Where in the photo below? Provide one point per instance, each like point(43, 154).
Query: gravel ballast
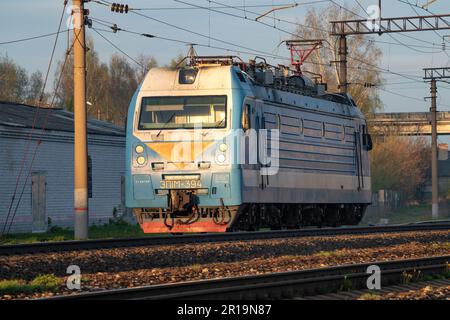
point(130, 267)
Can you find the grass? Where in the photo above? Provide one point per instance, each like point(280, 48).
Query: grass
point(414, 276)
point(408, 214)
point(195, 267)
point(42, 283)
point(370, 296)
point(411, 214)
point(328, 254)
point(346, 284)
point(116, 228)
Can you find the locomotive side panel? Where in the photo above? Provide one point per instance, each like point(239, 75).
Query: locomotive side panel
point(318, 160)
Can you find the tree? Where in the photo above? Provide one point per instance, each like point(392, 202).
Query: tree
point(13, 81)
point(146, 63)
point(122, 85)
point(35, 86)
point(399, 163)
point(16, 86)
point(109, 86)
point(361, 53)
point(177, 62)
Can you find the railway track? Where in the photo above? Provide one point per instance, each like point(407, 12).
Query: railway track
point(42, 247)
point(393, 289)
point(283, 285)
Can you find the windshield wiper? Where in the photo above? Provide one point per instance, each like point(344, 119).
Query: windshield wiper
point(215, 127)
point(165, 124)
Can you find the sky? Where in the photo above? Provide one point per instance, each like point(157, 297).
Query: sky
point(25, 18)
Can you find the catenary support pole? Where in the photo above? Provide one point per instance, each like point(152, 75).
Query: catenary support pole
point(80, 126)
point(434, 156)
point(343, 64)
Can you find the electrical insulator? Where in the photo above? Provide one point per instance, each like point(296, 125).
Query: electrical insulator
point(119, 8)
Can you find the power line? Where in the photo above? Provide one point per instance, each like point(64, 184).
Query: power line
point(112, 44)
point(394, 38)
point(114, 28)
point(259, 51)
point(224, 7)
point(417, 13)
point(265, 54)
point(34, 37)
point(329, 46)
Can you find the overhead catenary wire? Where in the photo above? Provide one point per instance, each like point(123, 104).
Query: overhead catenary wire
point(271, 26)
point(123, 52)
point(254, 50)
point(113, 26)
point(270, 54)
point(201, 34)
point(375, 67)
point(331, 48)
point(417, 13)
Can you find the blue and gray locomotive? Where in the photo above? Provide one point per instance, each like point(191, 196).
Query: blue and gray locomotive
point(221, 145)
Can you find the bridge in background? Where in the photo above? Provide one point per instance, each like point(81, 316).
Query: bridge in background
point(408, 123)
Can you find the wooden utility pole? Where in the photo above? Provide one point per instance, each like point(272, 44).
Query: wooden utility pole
point(80, 126)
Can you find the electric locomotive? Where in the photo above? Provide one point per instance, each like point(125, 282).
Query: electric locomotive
point(221, 145)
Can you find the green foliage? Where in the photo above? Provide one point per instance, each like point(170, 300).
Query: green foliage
point(43, 283)
point(115, 228)
point(12, 287)
point(413, 213)
point(346, 284)
point(46, 282)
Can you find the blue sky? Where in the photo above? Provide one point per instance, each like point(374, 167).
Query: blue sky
point(23, 18)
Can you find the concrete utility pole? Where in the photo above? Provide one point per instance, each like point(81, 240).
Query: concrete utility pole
point(434, 22)
point(433, 75)
point(343, 64)
point(345, 28)
point(434, 156)
point(80, 126)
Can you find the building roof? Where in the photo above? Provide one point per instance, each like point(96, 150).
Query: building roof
point(22, 116)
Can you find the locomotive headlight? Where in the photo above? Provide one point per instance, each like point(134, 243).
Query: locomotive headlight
point(187, 76)
point(140, 160)
point(221, 158)
point(223, 147)
point(139, 149)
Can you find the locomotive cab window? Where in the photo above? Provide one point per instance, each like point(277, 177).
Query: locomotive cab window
point(159, 113)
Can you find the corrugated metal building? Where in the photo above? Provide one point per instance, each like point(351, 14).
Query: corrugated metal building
point(47, 198)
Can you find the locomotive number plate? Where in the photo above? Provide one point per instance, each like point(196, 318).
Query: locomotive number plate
point(180, 184)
